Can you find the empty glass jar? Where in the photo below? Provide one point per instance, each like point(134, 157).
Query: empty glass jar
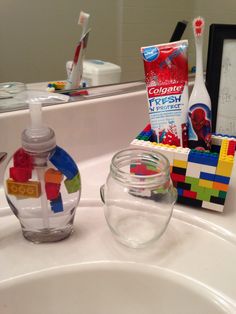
point(138, 196)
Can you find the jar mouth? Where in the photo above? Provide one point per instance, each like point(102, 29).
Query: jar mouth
point(140, 168)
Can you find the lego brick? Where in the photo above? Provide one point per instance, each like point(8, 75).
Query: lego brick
point(52, 190)
point(193, 170)
point(73, 185)
point(203, 157)
point(183, 185)
point(20, 174)
point(64, 163)
point(207, 176)
point(213, 206)
point(222, 179)
point(211, 192)
point(203, 196)
point(178, 170)
point(231, 148)
point(190, 194)
point(25, 189)
point(206, 183)
point(197, 188)
point(53, 176)
point(180, 163)
point(215, 148)
point(220, 186)
point(177, 177)
point(189, 201)
point(217, 200)
point(168, 153)
point(222, 194)
point(208, 169)
point(224, 168)
point(191, 180)
point(56, 205)
point(181, 154)
point(22, 159)
point(180, 191)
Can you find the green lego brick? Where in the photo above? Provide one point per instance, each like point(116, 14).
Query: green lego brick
point(222, 194)
point(203, 196)
point(73, 185)
point(192, 180)
point(198, 189)
point(212, 192)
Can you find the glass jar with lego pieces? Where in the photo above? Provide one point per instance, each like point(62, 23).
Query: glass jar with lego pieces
point(43, 189)
point(138, 196)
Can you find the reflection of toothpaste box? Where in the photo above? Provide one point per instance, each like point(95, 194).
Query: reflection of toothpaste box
point(166, 74)
point(97, 72)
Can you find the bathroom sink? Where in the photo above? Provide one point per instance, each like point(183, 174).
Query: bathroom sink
point(109, 287)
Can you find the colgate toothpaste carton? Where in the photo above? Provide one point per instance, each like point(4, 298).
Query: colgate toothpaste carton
point(166, 76)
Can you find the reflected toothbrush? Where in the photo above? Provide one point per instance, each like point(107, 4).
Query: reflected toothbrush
point(199, 109)
point(75, 75)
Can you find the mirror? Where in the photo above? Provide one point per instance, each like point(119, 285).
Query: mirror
point(39, 37)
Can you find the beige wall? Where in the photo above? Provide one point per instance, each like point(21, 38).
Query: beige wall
point(38, 37)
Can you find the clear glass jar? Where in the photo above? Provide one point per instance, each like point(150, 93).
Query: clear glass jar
point(138, 196)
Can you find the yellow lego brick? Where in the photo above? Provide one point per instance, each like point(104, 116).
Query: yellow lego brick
point(26, 189)
point(205, 183)
point(224, 149)
point(180, 163)
point(224, 167)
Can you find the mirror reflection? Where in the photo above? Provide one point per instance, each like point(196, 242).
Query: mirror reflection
point(39, 37)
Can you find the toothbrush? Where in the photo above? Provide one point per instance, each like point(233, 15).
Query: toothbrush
point(76, 72)
point(199, 108)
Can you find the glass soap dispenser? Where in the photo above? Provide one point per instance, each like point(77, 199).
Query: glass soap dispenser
point(42, 183)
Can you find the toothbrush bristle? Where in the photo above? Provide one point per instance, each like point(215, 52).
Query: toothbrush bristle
point(83, 17)
point(198, 26)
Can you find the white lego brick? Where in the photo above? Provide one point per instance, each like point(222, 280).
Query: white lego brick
point(216, 139)
point(193, 170)
point(168, 153)
point(181, 154)
point(213, 206)
point(208, 169)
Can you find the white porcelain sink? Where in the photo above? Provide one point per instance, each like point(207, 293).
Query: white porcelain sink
point(108, 288)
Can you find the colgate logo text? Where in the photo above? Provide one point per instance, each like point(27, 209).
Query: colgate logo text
point(167, 90)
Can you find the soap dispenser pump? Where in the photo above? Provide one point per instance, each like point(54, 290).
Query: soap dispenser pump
point(42, 183)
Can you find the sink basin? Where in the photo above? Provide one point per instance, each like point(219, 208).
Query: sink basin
point(109, 287)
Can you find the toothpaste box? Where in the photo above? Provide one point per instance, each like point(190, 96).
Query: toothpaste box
point(166, 76)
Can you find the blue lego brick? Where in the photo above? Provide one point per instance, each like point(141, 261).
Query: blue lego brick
point(180, 191)
point(56, 205)
point(63, 162)
point(203, 157)
point(207, 176)
point(222, 179)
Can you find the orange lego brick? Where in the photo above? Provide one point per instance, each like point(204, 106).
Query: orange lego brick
point(53, 176)
point(26, 189)
point(220, 186)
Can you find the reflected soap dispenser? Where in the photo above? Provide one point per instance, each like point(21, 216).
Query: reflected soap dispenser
point(42, 183)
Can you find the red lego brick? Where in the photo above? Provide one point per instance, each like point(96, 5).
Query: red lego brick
point(231, 148)
point(190, 194)
point(52, 190)
point(20, 174)
point(22, 159)
point(177, 177)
